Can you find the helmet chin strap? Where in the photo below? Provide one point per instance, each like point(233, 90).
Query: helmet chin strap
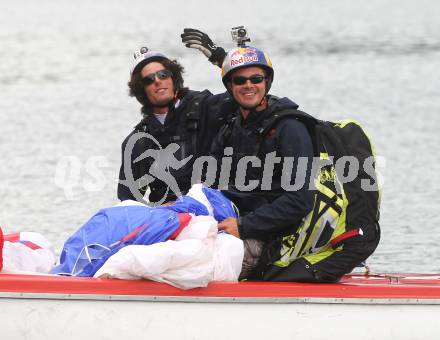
point(247, 111)
point(263, 102)
point(171, 103)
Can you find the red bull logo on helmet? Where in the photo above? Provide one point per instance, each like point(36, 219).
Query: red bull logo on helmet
point(243, 56)
point(244, 59)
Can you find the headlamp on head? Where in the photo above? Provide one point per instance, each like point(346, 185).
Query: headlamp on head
point(144, 56)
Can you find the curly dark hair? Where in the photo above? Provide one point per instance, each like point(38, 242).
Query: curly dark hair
point(136, 89)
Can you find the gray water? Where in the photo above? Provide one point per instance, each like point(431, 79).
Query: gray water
point(64, 108)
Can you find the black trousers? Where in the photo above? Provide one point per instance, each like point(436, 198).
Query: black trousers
point(330, 268)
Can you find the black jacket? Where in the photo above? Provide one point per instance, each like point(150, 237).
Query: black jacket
point(192, 127)
point(267, 211)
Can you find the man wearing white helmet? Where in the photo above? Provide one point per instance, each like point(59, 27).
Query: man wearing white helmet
point(177, 126)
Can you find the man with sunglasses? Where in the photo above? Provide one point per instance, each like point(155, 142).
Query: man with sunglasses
point(178, 125)
point(293, 230)
point(267, 210)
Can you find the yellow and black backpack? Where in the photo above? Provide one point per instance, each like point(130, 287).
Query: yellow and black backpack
point(346, 197)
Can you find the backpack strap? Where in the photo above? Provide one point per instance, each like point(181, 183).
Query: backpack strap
point(278, 116)
point(192, 124)
point(227, 128)
point(270, 122)
point(192, 121)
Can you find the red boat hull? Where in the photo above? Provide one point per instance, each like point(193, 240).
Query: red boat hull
point(380, 286)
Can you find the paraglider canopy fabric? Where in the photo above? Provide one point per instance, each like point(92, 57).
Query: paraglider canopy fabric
point(110, 230)
point(113, 228)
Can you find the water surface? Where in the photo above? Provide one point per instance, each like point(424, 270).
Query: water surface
point(64, 104)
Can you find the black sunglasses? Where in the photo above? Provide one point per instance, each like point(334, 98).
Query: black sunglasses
point(150, 78)
point(255, 79)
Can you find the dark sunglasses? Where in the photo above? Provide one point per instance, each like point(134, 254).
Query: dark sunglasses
point(255, 79)
point(150, 78)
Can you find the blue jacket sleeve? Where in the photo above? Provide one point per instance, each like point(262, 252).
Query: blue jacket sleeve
point(284, 214)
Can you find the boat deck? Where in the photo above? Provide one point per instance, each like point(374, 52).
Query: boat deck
point(378, 288)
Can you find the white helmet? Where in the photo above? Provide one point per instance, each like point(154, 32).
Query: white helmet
point(145, 56)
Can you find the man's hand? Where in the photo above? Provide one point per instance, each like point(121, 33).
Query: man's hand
point(230, 225)
point(193, 38)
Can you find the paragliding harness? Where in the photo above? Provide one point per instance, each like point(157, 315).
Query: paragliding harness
point(186, 136)
point(185, 131)
point(343, 208)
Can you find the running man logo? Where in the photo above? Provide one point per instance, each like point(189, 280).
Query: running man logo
point(164, 159)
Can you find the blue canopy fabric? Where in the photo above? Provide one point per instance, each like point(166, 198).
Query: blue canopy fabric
point(113, 228)
point(106, 232)
point(223, 207)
